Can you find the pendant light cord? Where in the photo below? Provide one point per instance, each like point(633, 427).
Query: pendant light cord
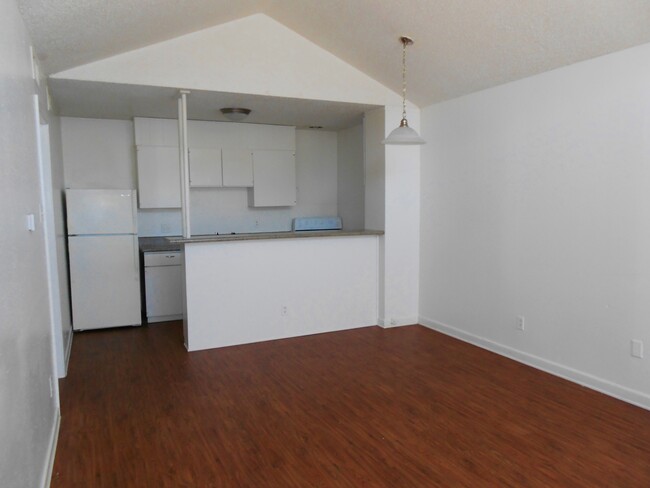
point(403, 134)
point(404, 43)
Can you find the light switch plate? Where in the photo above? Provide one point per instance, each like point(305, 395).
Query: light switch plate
point(31, 223)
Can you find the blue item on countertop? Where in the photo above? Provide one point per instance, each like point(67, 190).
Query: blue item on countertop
point(317, 223)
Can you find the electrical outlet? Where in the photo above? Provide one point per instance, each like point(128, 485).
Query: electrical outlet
point(284, 311)
point(637, 348)
point(521, 324)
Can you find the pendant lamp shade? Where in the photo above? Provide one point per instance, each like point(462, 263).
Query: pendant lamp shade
point(404, 135)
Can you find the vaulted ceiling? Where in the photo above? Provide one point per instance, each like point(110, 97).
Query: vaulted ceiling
point(461, 46)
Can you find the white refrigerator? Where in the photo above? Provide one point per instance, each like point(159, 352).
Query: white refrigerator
point(104, 258)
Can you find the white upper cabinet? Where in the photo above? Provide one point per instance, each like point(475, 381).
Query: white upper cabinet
point(155, 132)
point(159, 177)
point(205, 167)
point(255, 156)
point(159, 180)
point(237, 167)
point(213, 168)
point(274, 174)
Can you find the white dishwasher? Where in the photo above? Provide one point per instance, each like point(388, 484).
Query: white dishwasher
point(163, 284)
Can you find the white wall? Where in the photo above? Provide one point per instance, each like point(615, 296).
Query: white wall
point(100, 153)
point(28, 413)
point(536, 202)
point(374, 123)
point(267, 58)
point(317, 172)
point(351, 180)
point(374, 152)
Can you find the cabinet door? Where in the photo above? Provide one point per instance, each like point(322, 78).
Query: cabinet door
point(205, 167)
point(159, 178)
point(155, 132)
point(274, 178)
point(237, 167)
point(163, 291)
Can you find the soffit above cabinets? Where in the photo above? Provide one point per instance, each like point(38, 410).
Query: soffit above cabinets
point(116, 101)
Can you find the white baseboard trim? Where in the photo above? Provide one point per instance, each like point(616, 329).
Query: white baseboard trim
point(397, 322)
point(51, 450)
point(615, 390)
point(68, 351)
point(164, 318)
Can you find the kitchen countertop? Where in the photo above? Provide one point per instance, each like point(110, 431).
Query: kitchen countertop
point(273, 235)
point(158, 244)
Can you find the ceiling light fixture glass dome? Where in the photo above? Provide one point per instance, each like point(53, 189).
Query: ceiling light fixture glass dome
point(235, 114)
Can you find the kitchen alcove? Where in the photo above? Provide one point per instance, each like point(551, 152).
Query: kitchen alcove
point(329, 161)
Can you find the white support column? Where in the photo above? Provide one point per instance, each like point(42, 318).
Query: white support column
point(402, 225)
point(184, 161)
point(392, 204)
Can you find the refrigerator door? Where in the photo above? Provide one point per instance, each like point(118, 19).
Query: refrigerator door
point(105, 281)
point(101, 212)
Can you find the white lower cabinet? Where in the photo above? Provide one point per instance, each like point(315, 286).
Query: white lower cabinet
point(163, 281)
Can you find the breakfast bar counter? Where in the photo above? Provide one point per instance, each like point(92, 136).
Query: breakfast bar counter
point(254, 236)
point(243, 288)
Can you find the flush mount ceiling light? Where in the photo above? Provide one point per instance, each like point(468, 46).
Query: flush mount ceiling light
point(404, 134)
point(235, 114)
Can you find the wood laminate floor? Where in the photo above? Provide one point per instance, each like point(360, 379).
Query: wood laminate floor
point(404, 407)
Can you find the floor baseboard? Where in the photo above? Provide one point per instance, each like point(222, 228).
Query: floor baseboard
point(620, 392)
point(51, 450)
point(68, 351)
point(397, 322)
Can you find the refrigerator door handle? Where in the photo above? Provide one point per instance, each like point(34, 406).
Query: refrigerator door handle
point(134, 210)
point(136, 257)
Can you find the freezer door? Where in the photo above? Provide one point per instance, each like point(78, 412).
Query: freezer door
point(105, 281)
point(101, 212)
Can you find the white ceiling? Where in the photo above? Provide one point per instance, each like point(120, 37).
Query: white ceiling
point(461, 46)
point(118, 101)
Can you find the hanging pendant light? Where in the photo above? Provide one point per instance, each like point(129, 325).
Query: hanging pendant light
point(404, 135)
